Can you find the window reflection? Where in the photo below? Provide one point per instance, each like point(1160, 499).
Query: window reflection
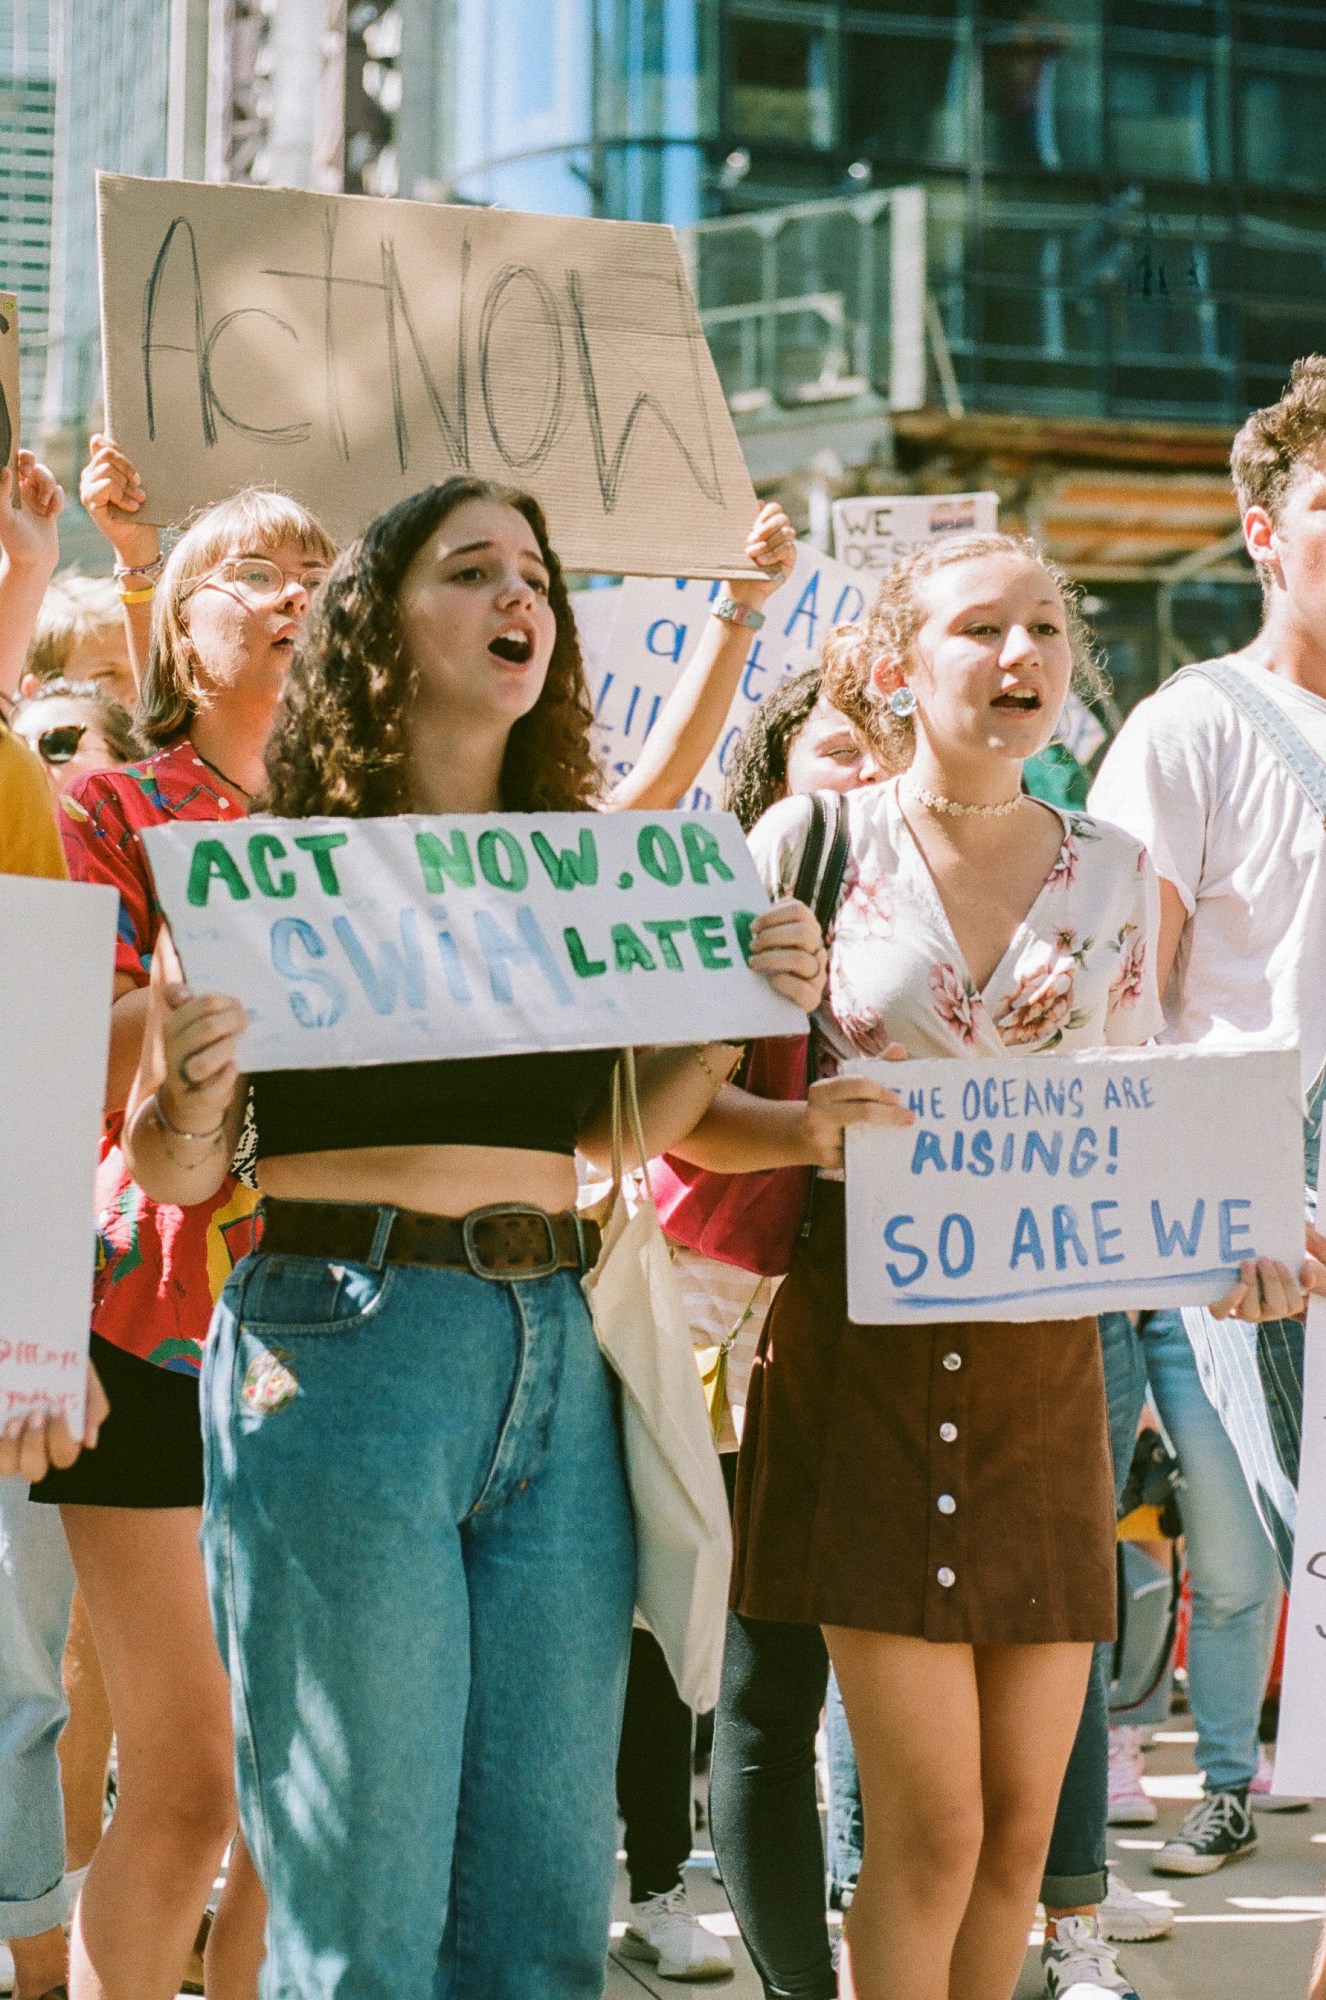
point(1160, 119)
point(1282, 121)
point(904, 98)
point(779, 83)
point(1021, 76)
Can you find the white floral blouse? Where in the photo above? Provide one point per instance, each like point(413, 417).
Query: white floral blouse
point(1079, 971)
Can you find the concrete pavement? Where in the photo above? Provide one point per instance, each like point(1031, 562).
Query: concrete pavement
point(1246, 1933)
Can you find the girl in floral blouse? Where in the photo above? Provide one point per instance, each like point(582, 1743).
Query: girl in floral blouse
point(939, 1498)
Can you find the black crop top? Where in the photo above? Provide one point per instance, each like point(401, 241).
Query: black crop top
point(536, 1102)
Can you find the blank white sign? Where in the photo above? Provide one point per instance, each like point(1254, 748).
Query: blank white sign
point(57, 954)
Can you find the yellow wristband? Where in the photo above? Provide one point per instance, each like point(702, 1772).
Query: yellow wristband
point(138, 596)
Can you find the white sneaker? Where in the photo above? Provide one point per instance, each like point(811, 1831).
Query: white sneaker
point(1128, 1803)
point(1260, 1796)
point(1079, 1965)
point(666, 1931)
point(1127, 1918)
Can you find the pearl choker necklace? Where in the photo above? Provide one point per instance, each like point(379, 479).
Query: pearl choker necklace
point(935, 802)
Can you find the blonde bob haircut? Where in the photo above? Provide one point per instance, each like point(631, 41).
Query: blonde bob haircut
point(882, 641)
point(252, 521)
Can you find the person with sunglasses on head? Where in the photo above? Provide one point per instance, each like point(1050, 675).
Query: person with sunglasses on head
point(417, 1526)
point(226, 609)
point(36, 1583)
point(75, 727)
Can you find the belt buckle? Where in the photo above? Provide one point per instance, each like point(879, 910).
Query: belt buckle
point(475, 1260)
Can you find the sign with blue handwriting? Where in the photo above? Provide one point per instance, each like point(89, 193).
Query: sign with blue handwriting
point(657, 626)
point(1053, 1187)
point(358, 941)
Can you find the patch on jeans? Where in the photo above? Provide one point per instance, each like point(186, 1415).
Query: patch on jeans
point(270, 1383)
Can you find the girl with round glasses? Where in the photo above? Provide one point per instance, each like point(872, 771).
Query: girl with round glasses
point(227, 607)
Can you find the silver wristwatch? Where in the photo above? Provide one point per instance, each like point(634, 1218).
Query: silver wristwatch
point(733, 613)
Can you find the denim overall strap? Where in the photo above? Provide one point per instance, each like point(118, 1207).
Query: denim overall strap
point(1271, 723)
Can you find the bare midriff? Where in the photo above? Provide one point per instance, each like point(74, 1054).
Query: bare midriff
point(435, 1180)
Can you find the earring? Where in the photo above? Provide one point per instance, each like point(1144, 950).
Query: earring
point(902, 702)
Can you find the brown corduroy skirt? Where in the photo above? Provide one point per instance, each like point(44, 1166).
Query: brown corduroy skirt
point(949, 1482)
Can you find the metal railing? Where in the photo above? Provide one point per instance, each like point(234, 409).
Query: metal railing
point(819, 302)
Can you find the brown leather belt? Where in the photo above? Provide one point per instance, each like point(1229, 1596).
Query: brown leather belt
point(506, 1241)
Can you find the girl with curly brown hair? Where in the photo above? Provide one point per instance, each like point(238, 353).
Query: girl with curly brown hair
point(417, 1529)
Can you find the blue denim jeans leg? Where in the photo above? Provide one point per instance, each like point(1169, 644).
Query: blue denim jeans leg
point(422, 1565)
point(1235, 1577)
point(36, 1592)
point(1075, 1868)
point(847, 1826)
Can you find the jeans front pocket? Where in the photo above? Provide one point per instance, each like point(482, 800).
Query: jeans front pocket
point(311, 1296)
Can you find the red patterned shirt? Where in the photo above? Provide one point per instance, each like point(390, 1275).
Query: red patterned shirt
point(160, 1268)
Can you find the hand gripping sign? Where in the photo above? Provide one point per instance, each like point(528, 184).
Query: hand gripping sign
point(411, 939)
point(1051, 1187)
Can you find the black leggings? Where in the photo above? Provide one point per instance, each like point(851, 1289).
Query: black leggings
point(654, 1772)
point(763, 1808)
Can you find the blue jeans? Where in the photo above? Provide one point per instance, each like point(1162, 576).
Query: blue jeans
point(1075, 1867)
point(1235, 1576)
point(847, 1825)
point(422, 1564)
point(36, 1591)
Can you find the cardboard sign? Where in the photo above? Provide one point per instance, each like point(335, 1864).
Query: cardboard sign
point(55, 997)
point(9, 403)
point(411, 939)
point(1049, 1187)
point(1300, 1750)
point(352, 351)
point(656, 629)
point(870, 534)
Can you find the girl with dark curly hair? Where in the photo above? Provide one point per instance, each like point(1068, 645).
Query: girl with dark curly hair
point(417, 1528)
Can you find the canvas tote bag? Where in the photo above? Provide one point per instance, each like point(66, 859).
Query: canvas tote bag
point(682, 1531)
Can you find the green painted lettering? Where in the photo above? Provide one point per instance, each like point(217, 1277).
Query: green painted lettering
point(322, 846)
point(658, 855)
point(629, 950)
point(439, 862)
point(494, 843)
point(264, 848)
point(704, 853)
point(568, 868)
point(582, 964)
point(213, 861)
point(664, 929)
point(712, 948)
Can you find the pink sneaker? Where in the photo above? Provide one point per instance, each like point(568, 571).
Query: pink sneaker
point(1259, 1791)
point(1129, 1804)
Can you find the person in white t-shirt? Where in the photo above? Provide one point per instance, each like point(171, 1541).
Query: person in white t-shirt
point(1215, 773)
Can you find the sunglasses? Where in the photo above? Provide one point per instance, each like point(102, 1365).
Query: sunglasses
point(60, 746)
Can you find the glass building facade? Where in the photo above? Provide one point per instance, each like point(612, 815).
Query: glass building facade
point(1126, 198)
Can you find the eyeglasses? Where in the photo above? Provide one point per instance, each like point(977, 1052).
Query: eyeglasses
point(60, 746)
point(255, 581)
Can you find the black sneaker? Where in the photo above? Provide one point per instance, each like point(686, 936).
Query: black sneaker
point(1218, 1829)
